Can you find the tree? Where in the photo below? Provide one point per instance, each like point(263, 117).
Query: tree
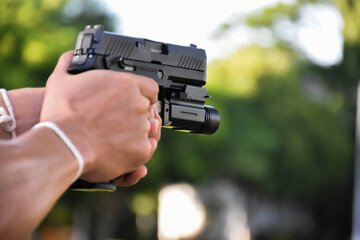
point(35, 33)
point(302, 113)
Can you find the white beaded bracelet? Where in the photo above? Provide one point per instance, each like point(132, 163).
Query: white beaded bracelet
point(7, 121)
point(67, 142)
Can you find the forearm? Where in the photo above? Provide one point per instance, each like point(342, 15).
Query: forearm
point(35, 169)
point(27, 103)
point(113, 129)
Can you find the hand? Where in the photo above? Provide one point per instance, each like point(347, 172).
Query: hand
point(108, 116)
point(155, 132)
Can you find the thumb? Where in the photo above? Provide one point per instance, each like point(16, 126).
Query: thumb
point(64, 62)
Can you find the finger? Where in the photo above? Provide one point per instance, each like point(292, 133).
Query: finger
point(64, 62)
point(148, 88)
point(155, 124)
point(153, 144)
point(152, 111)
point(155, 127)
point(157, 115)
point(132, 178)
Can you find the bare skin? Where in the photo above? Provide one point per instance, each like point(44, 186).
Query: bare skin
point(27, 103)
point(107, 115)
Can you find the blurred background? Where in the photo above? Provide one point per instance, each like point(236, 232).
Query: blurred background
point(283, 75)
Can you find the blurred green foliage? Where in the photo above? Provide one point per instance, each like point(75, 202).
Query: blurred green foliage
point(34, 33)
point(276, 136)
point(295, 137)
point(267, 17)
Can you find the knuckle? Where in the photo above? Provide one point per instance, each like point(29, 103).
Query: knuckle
point(52, 80)
point(146, 126)
point(154, 86)
point(119, 80)
point(144, 151)
point(151, 85)
point(126, 80)
point(157, 116)
point(141, 104)
point(143, 127)
point(147, 151)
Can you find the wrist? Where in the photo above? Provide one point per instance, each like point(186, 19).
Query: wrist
point(80, 140)
point(43, 150)
point(68, 143)
point(27, 104)
point(7, 117)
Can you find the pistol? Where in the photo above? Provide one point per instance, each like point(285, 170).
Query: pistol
point(180, 72)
